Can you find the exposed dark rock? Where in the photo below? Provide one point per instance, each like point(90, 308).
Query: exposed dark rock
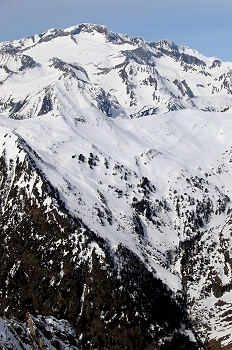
point(184, 88)
point(47, 104)
point(166, 47)
point(192, 60)
point(145, 112)
point(140, 55)
point(15, 107)
point(216, 63)
point(53, 33)
point(109, 35)
point(27, 62)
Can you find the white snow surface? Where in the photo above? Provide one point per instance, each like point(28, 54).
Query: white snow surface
point(181, 144)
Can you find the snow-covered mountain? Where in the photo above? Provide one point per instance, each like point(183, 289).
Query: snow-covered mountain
point(119, 75)
point(116, 159)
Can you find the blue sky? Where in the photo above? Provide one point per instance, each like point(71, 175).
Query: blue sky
point(205, 25)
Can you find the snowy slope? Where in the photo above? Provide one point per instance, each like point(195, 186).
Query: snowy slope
point(133, 137)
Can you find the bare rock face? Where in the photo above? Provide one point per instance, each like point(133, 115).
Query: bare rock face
point(37, 333)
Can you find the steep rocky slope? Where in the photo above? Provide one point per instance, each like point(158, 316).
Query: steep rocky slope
point(52, 264)
point(115, 193)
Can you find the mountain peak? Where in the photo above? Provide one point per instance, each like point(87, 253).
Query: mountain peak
point(166, 44)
